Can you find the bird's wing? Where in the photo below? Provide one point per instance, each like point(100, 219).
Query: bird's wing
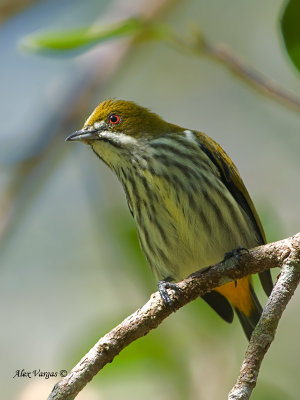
point(231, 178)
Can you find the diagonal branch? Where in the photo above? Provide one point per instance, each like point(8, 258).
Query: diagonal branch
point(248, 74)
point(154, 311)
point(201, 45)
point(264, 333)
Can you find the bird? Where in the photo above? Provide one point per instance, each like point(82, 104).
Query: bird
point(187, 198)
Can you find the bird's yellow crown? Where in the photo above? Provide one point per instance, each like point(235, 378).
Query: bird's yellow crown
point(130, 118)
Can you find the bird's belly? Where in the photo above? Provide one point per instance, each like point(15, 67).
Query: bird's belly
point(180, 236)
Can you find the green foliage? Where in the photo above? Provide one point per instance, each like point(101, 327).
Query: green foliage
point(74, 38)
point(290, 27)
point(89, 36)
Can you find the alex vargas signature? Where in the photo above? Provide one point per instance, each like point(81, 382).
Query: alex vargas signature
point(22, 373)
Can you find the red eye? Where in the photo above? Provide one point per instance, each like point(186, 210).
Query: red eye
point(114, 119)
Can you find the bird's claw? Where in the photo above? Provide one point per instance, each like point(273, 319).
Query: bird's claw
point(163, 285)
point(235, 253)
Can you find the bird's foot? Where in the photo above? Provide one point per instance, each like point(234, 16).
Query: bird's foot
point(235, 253)
point(165, 284)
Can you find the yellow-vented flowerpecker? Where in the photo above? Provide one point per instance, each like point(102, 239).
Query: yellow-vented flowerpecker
point(186, 196)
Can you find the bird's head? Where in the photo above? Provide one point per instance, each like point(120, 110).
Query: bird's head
point(117, 129)
point(118, 121)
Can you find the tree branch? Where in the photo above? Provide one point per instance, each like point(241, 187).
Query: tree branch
point(250, 75)
point(264, 333)
point(200, 45)
point(277, 254)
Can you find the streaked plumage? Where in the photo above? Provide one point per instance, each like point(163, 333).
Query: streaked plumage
point(187, 198)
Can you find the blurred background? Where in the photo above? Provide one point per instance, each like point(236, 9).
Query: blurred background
point(70, 264)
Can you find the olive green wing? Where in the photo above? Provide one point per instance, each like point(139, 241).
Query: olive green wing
point(231, 178)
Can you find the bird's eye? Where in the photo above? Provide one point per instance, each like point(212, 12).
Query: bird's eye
point(114, 119)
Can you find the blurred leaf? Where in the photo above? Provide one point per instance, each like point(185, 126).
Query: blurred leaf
point(73, 38)
point(88, 36)
point(290, 27)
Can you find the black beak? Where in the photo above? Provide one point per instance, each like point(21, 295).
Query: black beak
point(83, 135)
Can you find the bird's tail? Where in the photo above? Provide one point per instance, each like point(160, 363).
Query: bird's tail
point(240, 294)
point(249, 321)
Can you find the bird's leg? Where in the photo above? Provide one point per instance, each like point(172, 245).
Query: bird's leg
point(165, 284)
point(235, 253)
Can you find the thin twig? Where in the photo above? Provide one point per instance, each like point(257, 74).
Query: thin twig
point(11, 7)
point(265, 330)
point(200, 45)
point(248, 74)
point(154, 311)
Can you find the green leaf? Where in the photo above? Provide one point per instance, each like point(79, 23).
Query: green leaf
point(86, 36)
point(290, 27)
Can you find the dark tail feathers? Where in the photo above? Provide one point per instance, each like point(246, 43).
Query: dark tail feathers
point(249, 322)
point(224, 309)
